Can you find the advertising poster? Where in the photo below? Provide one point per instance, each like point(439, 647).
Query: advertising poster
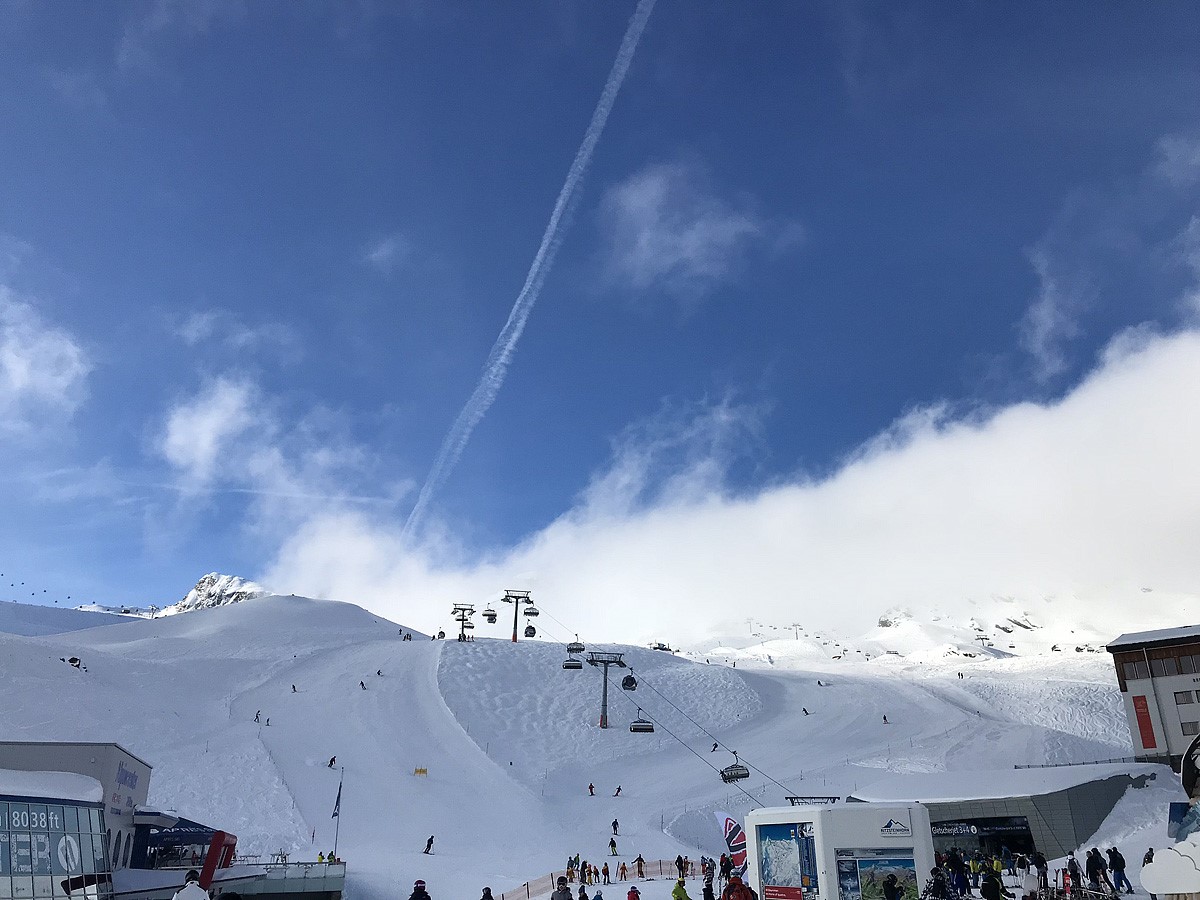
point(1183, 819)
point(861, 873)
point(779, 861)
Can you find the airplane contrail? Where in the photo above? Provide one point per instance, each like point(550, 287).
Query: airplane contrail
point(496, 367)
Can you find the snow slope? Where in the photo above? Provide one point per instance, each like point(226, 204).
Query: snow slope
point(508, 738)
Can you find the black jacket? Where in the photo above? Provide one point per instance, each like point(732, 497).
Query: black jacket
point(419, 894)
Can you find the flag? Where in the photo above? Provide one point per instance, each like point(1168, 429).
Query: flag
point(337, 804)
point(735, 839)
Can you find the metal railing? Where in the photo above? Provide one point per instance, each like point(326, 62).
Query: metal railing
point(653, 868)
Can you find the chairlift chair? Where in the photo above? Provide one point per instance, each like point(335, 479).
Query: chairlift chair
point(530, 631)
point(629, 683)
point(640, 725)
point(735, 772)
point(490, 615)
point(572, 663)
point(468, 625)
point(532, 612)
point(575, 646)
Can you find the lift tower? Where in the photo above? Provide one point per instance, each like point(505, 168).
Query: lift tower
point(605, 660)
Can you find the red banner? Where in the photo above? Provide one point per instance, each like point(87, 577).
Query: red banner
point(1145, 726)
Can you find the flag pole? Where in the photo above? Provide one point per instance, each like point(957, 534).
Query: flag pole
point(337, 810)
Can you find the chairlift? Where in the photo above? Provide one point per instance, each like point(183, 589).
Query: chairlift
point(575, 646)
point(490, 615)
point(629, 683)
point(468, 625)
point(532, 612)
point(530, 631)
point(640, 725)
point(735, 772)
point(573, 664)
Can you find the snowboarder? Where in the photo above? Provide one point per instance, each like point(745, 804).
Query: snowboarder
point(257, 714)
point(679, 892)
point(804, 709)
point(617, 792)
point(428, 845)
point(714, 749)
point(591, 790)
point(419, 892)
point(612, 846)
point(332, 761)
point(640, 863)
point(563, 892)
point(362, 685)
point(885, 721)
point(191, 889)
point(615, 825)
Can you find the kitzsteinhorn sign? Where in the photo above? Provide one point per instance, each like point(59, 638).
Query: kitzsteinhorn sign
point(895, 828)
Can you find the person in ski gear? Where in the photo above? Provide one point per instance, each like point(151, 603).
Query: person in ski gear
point(257, 714)
point(936, 888)
point(891, 889)
point(804, 709)
point(1073, 871)
point(320, 857)
point(332, 761)
point(293, 689)
point(419, 892)
point(679, 892)
point(571, 871)
point(885, 721)
point(487, 894)
point(617, 792)
point(735, 890)
point(563, 892)
point(191, 889)
point(622, 872)
point(640, 863)
point(726, 867)
point(1006, 858)
point(604, 874)
point(362, 685)
point(634, 893)
point(680, 868)
point(582, 895)
point(428, 845)
point(380, 672)
point(1097, 870)
point(708, 882)
point(992, 888)
point(1043, 869)
point(1149, 857)
point(268, 722)
point(1116, 864)
point(612, 846)
point(616, 826)
point(714, 749)
point(591, 790)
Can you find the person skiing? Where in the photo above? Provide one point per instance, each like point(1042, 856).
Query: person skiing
point(891, 889)
point(332, 761)
point(615, 825)
point(419, 892)
point(679, 892)
point(563, 892)
point(428, 845)
point(591, 790)
point(612, 846)
point(1116, 864)
point(714, 749)
point(362, 685)
point(617, 792)
point(268, 722)
point(257, 714)
point(885, 721)
point(604, 875)
point(191, 889)
point(640, 863)
point(804, 709)
point(380, 672)
point(622, 872)
point(293, 689)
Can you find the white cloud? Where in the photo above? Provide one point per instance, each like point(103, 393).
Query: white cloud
point(666, 227)
point(389, 252)
point(198, 431)
point(43, 368)
point(1086, 499)
point(1052, 319)
point(218, 326)
point(165, 20)
point(1179, 160)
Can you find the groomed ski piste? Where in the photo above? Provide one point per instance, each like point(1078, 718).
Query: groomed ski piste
point(509, 739)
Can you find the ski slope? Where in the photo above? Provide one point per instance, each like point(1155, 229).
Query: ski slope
point(508, 738)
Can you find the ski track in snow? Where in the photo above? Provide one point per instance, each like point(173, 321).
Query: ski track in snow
point(509, 738)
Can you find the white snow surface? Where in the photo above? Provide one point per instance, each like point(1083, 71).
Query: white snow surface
point(509, 739)
point(59, 785)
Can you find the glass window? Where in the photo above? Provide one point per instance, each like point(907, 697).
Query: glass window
point(1185, 665)
point(1136, 670)
point(22, 887)
point(1162, 668)
point(5, 887)
point(99, 860)
point(18, 814)
point(54, 818)
point(128, 851)
point(3, 817)
point(96, 825)
point(1191, 727)
point(43, 886)
point(1182, 697)
point(70, 819)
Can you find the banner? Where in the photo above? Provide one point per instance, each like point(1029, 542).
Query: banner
point(735, 840)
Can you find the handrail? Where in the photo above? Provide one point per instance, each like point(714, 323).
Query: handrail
point(544, 884)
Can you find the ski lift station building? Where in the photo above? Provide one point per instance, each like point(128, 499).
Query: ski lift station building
point(74, 825)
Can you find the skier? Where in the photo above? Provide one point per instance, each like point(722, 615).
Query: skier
point(257, 714)
point(639, 862)
point(604, 874)
point(991, 888)
point(428, 845)
point(804, 709)
point(293, 689)
point(1116, 863)
point(617, 792)
point(191, 889)
point(735, 890)
point(362, 685)
point(268, 722)
point(419, 892)
point(708, 883)
point(622, 872)
point(612, 846)
point(615, 827)
point(380, 672)
point(591, 790)
point(885, 721)
point(634, 893)
point(332, 761)
point(563, 892)
point(679, 892)
point(714, 749)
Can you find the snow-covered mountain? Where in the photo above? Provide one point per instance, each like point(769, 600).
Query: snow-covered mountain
point(212, 590)
point(507, 738)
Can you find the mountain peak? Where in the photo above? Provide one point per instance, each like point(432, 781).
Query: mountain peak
point(215, 589)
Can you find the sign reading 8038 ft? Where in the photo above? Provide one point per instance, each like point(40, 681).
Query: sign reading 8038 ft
point(38, 839)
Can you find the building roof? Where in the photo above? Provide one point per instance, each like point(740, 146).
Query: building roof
point(1164, 637)
point(958, 787)
point(75, 744)
point(51, 785)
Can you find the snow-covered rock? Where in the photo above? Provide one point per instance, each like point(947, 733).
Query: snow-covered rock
point(215, 590)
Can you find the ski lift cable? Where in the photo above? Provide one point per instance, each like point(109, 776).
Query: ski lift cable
point(642, 681)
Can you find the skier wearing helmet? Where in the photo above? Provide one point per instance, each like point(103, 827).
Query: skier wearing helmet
point(563, 892)
point(419, 892)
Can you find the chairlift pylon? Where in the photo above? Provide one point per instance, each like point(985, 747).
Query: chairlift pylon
point(640, 725)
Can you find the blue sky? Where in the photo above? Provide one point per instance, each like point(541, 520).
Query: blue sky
point(254, 256)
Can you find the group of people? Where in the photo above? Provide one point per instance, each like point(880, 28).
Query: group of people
point(958, 873)
point(590, 874)
point(592, 790)
point(1097, 869)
